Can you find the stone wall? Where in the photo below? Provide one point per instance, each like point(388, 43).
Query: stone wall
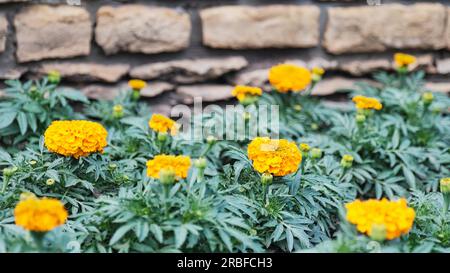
point(203, 47)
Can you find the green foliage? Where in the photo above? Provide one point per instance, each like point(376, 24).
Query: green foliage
point(400, 151)
point(30, 107)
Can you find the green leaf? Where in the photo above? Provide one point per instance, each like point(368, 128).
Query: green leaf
point(120, 232)
point(410, 178)
point(156, 230)
point(180, 236)
point(289, 239)
point(23, 124)
point(6, 119)
point(73, 95)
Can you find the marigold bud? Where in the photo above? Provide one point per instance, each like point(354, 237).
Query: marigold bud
point(33, 89)
point(112, 166)
point(8, 172)
point(445, 185)
point(304, 147)
point(50, 182)
point(318, 71)
point(378, 232)
point(32, 162)
point(167, 176)
point(316, 153)
point(316, 78)
point(200, 163)
point(162, 136)
point(427, 98)
point(266, 178)
point(248, 100)
point(298, 107)
point(118, 111)
point(314, 126)
point(135, 95)
point(360, 118)
point(347, 161)
point(247, 116)
point(54, 76)
point(26, 195)
point(211, 139)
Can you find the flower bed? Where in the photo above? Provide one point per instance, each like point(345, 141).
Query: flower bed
point(114, 177)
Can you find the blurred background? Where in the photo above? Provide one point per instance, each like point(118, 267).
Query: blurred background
point(201, 48)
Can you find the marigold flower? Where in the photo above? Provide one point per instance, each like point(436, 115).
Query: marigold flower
point(404, 60)
point(179, 164)
point(276, 156)
point(367, 103)
point(137, 84)
point(243, 92)
point(75, 138)
point(396, 216)
point(40, 215)
point(289, 77)
point(160, 123)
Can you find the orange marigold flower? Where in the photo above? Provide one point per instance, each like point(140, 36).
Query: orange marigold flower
point(396, 216)
point(276, 156)
point(179, 164)
point(367, 103)
point(289, 77)
point(404, 60)
point(137, 84)
point(162, 124)
point(241, 92)
point(40, 215)
point(75, 137)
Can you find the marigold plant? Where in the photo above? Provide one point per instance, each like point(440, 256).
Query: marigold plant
point(362, 102)
point(160, 123)
point(241, 92)
point(40, 215)
point(179, 164)
point(289, 77)
point(396, 216)
point(75, 138)
point(276, 156)
point(404, 60)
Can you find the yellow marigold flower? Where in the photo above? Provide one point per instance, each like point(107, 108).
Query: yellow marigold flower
point(137, 84)
point(40, 215)
point(396, 216)
point(160, 123)
point(404, 60)
point(241, 92)
point(289, 77)
point(75, 137)
point(179, 164)
point(367, 103)
point(276, 156)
